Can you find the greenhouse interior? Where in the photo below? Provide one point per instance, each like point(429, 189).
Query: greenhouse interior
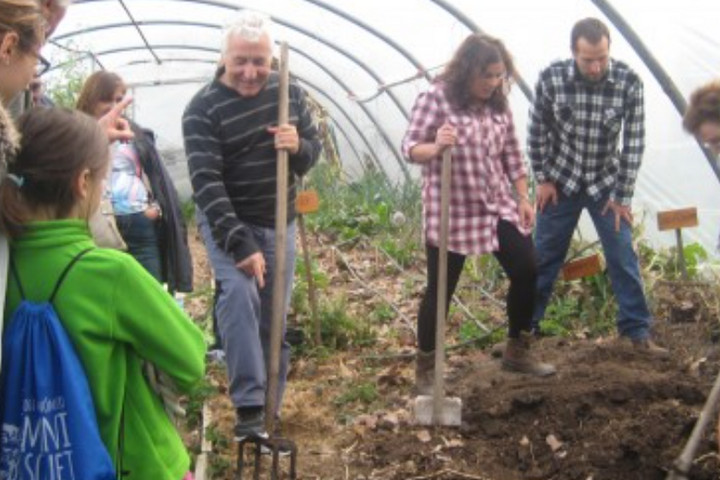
point(362, 266)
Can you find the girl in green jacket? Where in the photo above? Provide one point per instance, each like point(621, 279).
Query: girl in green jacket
point(115, 313)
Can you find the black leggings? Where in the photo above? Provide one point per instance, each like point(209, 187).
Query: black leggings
point(517, 258)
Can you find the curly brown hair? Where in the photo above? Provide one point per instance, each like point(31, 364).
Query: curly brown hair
point(704, 107)
point(472, 57)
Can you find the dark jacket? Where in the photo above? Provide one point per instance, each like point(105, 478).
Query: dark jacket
point(177, 269)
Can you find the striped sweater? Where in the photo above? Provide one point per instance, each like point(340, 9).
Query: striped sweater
point(233, 162)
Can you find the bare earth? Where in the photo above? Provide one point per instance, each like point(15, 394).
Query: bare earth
point(610, 412)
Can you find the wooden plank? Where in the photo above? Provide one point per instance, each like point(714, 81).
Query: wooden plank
point(201, 461)
point(206, 444)
point(674, 219)
point(307, 201)
point(582, 267)
point(201, 467)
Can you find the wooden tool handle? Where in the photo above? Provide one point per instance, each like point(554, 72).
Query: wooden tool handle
point(278, 299)
point(439, 384)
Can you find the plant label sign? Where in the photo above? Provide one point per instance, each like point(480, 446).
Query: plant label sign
point(675, 219)
point(582, 267)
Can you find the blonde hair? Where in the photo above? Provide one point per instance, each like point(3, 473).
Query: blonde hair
point(25, 18)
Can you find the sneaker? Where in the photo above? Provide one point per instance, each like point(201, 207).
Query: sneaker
point(250, 423)
point(216, 356)
point(648, 346)
point(283, 450)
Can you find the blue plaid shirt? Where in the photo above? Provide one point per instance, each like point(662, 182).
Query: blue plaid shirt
point(575, 127)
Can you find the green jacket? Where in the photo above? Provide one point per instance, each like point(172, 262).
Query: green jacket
point(117, 315)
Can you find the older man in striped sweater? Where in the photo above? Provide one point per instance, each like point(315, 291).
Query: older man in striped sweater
point(231, 139)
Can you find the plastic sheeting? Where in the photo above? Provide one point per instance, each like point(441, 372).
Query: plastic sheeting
point(366, 61)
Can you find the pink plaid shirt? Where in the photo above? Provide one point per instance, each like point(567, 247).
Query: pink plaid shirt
point(485, 160)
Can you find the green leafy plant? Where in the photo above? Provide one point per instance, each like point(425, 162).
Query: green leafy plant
point(219, 466)
point(382, 313)
point(560, 315)
point(195, 402)
point(72, 67)
point(341, 331)
point(188, 211)
point(365, 392)
point(300, 293)
point(216, 437)
point(469, 330)
point(402, 252)
point(694, 255)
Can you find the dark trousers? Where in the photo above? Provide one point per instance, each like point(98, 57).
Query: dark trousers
point(517, 258)
point(140, 235)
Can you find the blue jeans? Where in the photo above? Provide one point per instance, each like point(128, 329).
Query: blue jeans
point(555, 227)
point(140, 235)
point(244, 315)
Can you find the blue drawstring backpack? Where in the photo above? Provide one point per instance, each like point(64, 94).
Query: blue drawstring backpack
point(49, 428)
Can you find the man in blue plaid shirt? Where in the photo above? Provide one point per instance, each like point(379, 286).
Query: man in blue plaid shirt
point(584, 107)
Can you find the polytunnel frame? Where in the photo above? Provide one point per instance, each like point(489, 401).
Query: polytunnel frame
point(661, 76)
point(296, 28)
point(348, 139)
point(303, 54)
point(604, 6)
point(422, 70)
point(319, 90)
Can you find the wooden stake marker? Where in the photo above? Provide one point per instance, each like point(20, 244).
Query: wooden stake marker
point(307, 201)
point(582, 267)
point(677, 220)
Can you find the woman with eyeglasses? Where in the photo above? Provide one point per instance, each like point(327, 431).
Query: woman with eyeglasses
point(22, 34)
point(144, 199)
point(466, 111)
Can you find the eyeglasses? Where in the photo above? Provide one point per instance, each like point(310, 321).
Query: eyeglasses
point(43, 65)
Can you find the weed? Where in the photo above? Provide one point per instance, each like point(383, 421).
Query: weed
point(188, 211)
point(402, 252)
point(339, 330)
point(382, 313)
point(365, 392)
point(216, 437)
point(204, 320)
point(195, 401)
point(219, 466)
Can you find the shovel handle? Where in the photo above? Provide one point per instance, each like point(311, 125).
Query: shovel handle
point(439, 384)
point(683, 463)
point(278, 292)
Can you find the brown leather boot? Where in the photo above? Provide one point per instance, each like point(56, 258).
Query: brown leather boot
point(424, 372)
point(648, 346)
point(498, 349)
point(517, 357)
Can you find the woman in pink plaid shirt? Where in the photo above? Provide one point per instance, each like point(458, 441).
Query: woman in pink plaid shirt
point(466, 109)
